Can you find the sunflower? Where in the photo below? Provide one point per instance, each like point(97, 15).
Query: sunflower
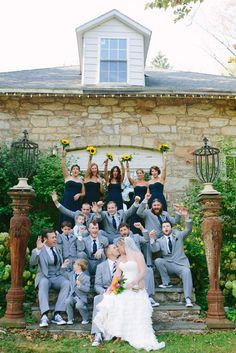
point(126, 157)
point(163, 148)
point(110, 156)
point(93, 150)
point(65, 143)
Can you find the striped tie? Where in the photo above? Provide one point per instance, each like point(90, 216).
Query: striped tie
point(114, 268)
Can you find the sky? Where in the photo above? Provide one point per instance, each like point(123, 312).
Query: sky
point(41, 33)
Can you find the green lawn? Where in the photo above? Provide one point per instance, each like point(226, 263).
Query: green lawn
point(16, 341)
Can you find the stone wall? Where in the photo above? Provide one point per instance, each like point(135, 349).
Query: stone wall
point(138, 122)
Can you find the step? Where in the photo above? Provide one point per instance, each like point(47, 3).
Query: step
point(175, 312)
point(172, 295)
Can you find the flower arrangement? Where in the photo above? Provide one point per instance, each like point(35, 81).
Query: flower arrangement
point(126, 158)
point(163, 148)
point(65, 143)
point(110, 156)
point(92, 150)
point(117, 284)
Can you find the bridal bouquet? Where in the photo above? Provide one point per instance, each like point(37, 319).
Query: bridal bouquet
point(118, 284)
point(126, 158)
point(92, 150)
point(65, 143)
point(163, 148)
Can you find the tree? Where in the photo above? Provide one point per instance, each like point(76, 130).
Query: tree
point(160, 61)
point(181, 7)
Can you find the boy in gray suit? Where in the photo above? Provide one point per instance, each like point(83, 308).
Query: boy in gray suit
point(79, 289)
point(66, 242)
point(174, 260)
point(49, 260)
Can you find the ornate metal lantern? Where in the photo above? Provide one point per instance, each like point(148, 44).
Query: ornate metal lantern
point(24, 157)
point(207, 166)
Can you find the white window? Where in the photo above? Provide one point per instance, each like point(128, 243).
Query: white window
point(113, 60)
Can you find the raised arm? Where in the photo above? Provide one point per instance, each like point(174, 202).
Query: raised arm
point(63, 165)
point(106, 176)
point(163, 173)
point(122, 170)
point(132, 181)
point(89, 166)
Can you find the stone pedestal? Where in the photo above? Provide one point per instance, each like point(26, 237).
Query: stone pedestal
point(212, 237)
point(19, 234)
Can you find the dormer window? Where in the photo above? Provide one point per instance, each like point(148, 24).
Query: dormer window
point(113, 60)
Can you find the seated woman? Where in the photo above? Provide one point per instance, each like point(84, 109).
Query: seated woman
point(127, 315)
point(114, 182)
point(156, 184)
point(74, 188)
point(92, 183)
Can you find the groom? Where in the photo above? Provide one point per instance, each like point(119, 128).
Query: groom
point(103, 279)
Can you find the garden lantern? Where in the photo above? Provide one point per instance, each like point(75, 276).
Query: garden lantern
point(207, 166)
point(24, 156)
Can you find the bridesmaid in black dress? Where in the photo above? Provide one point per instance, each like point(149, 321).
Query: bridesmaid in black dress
point(93, 183)
point(140, 189)
point(156, 185)
point(114, 182)
point(74, 189)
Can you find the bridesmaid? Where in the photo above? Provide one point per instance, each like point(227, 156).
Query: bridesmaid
point(92, 183)
point(114, 190)
point(156, 184)
point(74, 188)
point(140, 189)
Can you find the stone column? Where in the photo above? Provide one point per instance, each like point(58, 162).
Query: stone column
point(19, 234)
point(212, 237)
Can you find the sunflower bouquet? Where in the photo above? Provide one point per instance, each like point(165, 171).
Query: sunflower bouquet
point(65, 143)
point(126, 158)
point(118, 284)
point(92, 150)
point(110, 156)
point(163, 148)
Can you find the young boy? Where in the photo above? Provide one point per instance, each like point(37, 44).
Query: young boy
point(79, 288)
point(67, 243)
point(80, 230)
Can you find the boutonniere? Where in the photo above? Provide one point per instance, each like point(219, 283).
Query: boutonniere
point(174, 237)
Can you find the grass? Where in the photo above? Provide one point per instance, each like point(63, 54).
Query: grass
point(22, 341)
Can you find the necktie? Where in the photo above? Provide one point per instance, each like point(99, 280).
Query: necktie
point(114, 268)
point(94, 246)
point(159, 219)
point(67, 236)
point(55, 256)
point(114, 222)
point(170, 244)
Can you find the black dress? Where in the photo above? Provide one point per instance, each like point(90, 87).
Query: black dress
point(71, 189)
point(114, 193)
point(92, 192)
point(139, 190)
point(156, 190)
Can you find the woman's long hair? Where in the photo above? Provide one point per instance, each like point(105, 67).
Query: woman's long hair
point(118, 178)
point(89, 173)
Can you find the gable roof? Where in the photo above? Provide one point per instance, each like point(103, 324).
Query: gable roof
point(106, 17)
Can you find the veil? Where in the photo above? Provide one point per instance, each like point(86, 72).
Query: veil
point(131, 249)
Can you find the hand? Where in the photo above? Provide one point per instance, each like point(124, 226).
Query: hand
point(54, 197)
point(66, 263)
point(63, 153)
point(147, 196)
point(152, 234)
point(164, 154)
point(137, 199)
point(106, 161)
point(120, 160)
point(184, 212)
point(78, 283)
point(138, 225)
point(131, 285)
point(98, 254)
point(76, 197)
point(100, 204)
point(109, 290)
point(94, 208)
point(39, 243)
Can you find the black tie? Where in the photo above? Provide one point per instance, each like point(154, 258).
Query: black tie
point(55, 256)
point(160, 220)
point(67, 237)
point(170, 244)
point(94, 247)
point(114, 222)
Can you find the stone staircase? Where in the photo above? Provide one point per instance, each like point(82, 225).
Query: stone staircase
point(171, 315)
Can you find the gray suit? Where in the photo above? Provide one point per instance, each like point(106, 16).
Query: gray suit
point(149, 276)
point(175, 262)
point(152, 222)
point(78, 295)
point(68, 246)
point(122, 217)
point(74, 214)
point(88, 246)
point(103, 280)
point(49, 276)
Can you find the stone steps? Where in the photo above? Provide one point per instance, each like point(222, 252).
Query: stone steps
point(174, 294)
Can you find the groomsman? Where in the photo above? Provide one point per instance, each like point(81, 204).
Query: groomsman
point(103, 279)
point(93, 247)
point(112, 218)
point(174, 260)
point(49, 260)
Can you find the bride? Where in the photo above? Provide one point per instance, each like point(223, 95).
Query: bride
point(127, 315)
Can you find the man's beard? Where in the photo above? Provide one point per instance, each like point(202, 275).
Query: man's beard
point(157, 212)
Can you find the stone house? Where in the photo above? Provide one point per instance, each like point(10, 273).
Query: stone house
point(111, 102)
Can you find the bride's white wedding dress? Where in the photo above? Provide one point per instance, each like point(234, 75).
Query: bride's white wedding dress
point(128, 315)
